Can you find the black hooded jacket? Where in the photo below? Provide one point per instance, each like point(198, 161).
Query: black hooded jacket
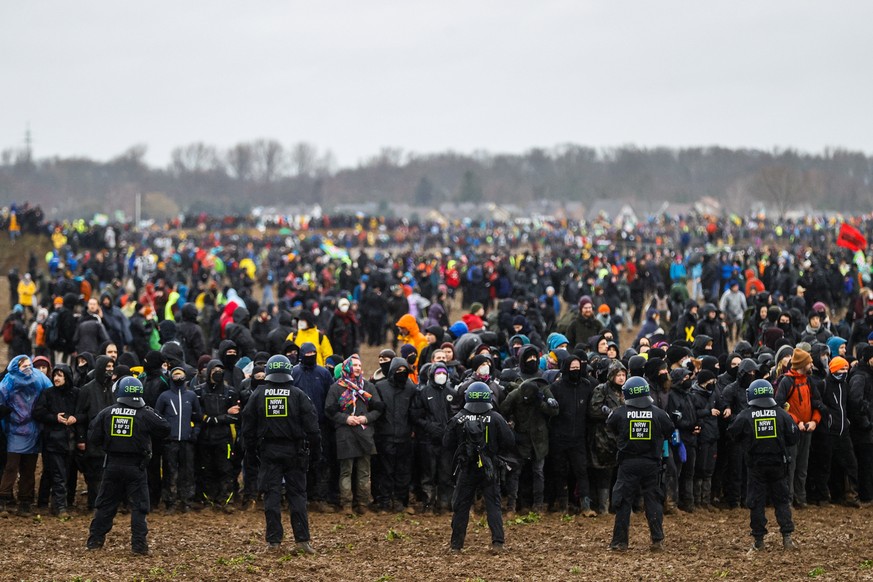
point(215, 400)
point(432, 408)
point(93, 397)
point(568, 428)
point(277, 336)
point(239, 333)
point(190, 334)
point(395, 424)
point(57, 437)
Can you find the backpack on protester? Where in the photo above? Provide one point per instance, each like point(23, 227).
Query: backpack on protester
point(8, 331)
point(52, 330)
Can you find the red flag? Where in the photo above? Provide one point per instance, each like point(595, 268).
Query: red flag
point(851, 238)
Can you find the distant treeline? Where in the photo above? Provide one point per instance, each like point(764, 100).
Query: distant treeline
point(204, 178)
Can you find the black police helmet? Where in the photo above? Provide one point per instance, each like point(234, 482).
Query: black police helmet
point(477, 398)
point(636, 392)
point(278, 370)
point(130, 392)
point(760, 393)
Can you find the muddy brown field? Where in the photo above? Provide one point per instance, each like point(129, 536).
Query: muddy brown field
point(834, 545)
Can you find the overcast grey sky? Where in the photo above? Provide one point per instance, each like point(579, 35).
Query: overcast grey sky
point(95, 77)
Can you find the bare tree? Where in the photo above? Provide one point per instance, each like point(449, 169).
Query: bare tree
point(781, 183)
point(194, 158)
point(304, 159)
point(269, 160)
point(240, 161)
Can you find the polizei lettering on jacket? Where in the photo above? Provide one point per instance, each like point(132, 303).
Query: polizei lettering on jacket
point(639, 414)
point(277, 392)
point(127, 411)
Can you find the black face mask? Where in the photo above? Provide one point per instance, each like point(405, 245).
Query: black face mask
point(309, 361)
point(528, 366)
point(384, 366)
point(231, 361)
point(574, 376)
point(107, 379)
point(662, 379)
point(178, 383)
point(292, 357)
point(732, 372)
point(411, 358)
point(257, 382)
point(83, 369)
point(746, 380)
point(217, 377)
point(400, 378)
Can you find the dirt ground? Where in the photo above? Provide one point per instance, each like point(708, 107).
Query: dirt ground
point(834, 545)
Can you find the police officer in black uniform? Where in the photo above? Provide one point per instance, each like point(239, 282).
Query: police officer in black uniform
point(640, 429)
point(478, 435)
point(281, 419)
point(765, 432)
point(125, 432)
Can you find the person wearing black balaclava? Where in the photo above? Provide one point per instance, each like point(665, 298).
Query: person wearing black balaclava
point(730, 371)
point(181, 408)
point(528, 368)
point(249, 461)
point(385, 357)
point(220, 406)
point(705, 404)
point(683, 413)
point(568, 437)
point(154, 384)
point(84, 368)
point(93, 397)
point(660, 384)
point(229, 356)
point(315, 381)
point(291, 351)
point(734, 401)
point(393, 472)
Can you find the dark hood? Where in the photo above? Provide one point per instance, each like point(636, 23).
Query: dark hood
point(698, 348)
point(438, 332)
point(289, 346)
point(167, 330)
point(100, 369)
point(89, 357)
point(224, 346)
point(241, 316)
point(396, 364)
point(211, 366)
point(128, 359)
point(285, 318)
point(565, 363)
point(67, 372)
point(70, 300)
point(189, 313)
point(525, 352)
point(173, 354)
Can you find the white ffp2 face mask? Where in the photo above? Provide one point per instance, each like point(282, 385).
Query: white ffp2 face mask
point(440, 379)
point(483, 370)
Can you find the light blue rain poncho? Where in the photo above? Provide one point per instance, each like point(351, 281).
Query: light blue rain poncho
point(18, 393)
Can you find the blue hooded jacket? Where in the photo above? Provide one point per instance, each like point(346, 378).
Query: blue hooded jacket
point(18, 393)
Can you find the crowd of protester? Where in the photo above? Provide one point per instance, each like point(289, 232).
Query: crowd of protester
point(553, 316)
